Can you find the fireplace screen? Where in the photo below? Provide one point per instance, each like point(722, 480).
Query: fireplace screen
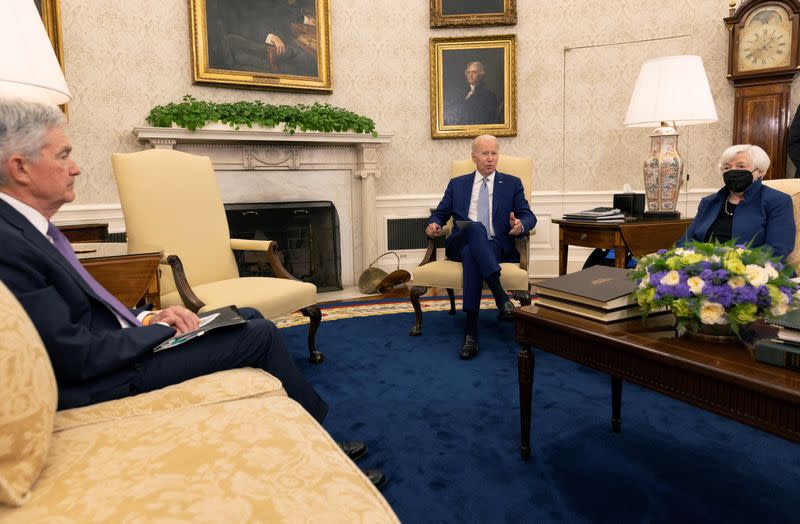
point(307, 234)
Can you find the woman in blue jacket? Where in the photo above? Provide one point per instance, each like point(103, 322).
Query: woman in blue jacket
point(745, 209)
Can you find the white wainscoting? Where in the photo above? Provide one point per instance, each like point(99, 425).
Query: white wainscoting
point(544, 242)
point(110, 214)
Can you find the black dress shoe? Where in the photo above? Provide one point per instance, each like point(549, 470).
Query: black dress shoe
point(470, 348)
point(504, 312)
point(377, 477)
point(354, 450)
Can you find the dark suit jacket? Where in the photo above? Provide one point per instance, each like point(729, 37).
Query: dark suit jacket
point(508, 196)
point(765, 216)
point(91, 355)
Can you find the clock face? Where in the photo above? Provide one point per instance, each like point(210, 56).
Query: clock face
point(765, 41)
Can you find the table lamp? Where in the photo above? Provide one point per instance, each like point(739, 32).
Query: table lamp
point(29, 68)
point(670, 89)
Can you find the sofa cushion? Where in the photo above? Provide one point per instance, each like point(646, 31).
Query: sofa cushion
point(249, 460)
point(222, 386)
point(28, 399)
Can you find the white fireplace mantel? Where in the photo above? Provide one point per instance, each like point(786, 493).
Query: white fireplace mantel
point(277, 166)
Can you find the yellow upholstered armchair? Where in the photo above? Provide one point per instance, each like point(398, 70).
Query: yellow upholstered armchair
point(791, 186)
point(171, 200)
point(448, 274)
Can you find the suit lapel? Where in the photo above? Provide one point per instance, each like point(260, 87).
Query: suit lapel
point(498, 197)
point(16, 220)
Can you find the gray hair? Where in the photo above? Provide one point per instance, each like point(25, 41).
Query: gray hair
point(758, 157)
point(478, 66)
point(23, 126)
point(478, 139)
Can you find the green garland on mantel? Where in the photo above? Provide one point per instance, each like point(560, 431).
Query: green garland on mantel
point(191, 113)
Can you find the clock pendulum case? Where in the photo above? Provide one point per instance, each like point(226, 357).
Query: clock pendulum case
point(762, 62)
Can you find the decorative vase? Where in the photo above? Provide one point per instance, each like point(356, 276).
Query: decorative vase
point(715, 333)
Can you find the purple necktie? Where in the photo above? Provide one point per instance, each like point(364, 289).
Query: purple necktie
point(63, 246)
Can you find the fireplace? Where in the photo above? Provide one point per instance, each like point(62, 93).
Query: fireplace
point(257, 165)
point(307, 234)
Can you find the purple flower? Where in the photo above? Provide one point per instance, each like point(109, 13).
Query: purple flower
point(722, 294)
point(661, 251)
point(720, 276)
point(763, 300)
point(746, 294)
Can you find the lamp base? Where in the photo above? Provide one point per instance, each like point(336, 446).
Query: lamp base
point(660, 215)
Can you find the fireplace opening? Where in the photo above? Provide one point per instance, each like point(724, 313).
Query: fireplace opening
point(307, 234)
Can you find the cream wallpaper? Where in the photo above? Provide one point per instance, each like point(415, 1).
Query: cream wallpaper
point(577, 62)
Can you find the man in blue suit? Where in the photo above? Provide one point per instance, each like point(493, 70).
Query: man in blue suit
point(99, 350)
point(495, 206)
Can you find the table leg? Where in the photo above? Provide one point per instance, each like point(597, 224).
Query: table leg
point(616, 404)
point(525, 361)
point(563, 253)
point(620, 250)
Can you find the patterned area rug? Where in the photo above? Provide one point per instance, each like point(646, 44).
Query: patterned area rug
point(342, 310)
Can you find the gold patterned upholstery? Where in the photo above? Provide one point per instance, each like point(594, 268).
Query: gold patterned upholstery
point(448, 274)
point(225, 447)
point(28, 398)
point(791, 186)
point(171, 200)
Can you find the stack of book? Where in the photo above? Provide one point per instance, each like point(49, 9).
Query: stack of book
point(601, 293)
point(597, 214)
point(784, 349)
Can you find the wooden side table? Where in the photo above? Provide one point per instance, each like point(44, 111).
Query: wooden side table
point(656, 234)
point(131, 276)
point(97, 232)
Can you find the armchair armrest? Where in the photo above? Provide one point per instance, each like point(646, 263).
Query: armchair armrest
point(270, 247)
point(190, 300)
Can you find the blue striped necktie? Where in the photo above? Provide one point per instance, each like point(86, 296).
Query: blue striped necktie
point(483, 206)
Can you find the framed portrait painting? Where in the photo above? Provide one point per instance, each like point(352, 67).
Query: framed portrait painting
point(266, 44)
point(50, 11)
point(455, 13)
point(473, 86)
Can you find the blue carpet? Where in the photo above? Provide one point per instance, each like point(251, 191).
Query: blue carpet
point(447, 434)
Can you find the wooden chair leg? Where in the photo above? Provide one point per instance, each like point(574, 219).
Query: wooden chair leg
point(315, 318)
point(414, 293)
point(452, 301)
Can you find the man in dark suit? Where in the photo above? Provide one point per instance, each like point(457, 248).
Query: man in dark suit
point(495, 206)
point(99, 350)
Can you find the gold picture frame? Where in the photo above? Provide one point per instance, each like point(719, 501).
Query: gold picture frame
point(473, 86)
point(282, 44)
point(460, 13)
point(50, 11)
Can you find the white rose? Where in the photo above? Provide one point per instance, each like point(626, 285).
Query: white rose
point(645, 281)
point(680, 251)
point(781, 307)
point(712, 313)
point(714, 258)
point(736, 281)
point(756, 274)
point(696, 285)
point(671, 279)
point(771, 271)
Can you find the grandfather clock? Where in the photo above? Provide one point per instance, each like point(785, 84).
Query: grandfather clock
point(762, 62)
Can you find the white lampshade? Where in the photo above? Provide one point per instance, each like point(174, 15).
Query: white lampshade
point(29, 68)
point(671, 89)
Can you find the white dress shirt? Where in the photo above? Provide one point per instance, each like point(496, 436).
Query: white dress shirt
point(473, 203)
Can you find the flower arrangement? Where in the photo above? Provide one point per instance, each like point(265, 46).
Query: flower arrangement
point(715, 284)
